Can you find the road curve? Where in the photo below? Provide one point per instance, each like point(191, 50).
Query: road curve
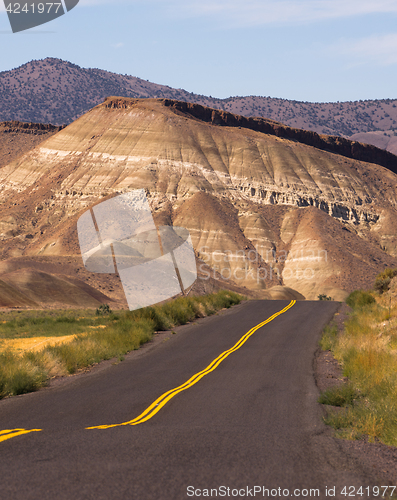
point(254, 421)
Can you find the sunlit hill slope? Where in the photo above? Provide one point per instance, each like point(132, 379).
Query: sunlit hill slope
point(264, 206)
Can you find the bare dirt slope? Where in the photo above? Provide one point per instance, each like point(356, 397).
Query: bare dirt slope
point(264, 210)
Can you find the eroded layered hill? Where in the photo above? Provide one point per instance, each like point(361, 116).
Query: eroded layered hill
point(262, 210)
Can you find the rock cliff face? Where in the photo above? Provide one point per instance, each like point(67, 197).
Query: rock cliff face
point(28, 128)
point(334, 144)
point(17, 138)
point(266, 205)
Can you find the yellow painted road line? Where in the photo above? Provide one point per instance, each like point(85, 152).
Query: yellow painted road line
point(11, 433)
point(163, 400)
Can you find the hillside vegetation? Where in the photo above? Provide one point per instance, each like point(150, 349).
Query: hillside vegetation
point(58, 92)
point(367, 352)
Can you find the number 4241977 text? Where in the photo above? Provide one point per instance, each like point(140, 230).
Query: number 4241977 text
point(40, 8)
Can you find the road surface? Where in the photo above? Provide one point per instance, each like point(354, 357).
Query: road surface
point(253, 421)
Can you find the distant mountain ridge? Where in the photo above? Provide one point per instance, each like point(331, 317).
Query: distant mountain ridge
point(58, 92)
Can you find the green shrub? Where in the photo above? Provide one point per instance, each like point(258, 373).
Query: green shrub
point(359, 298)
point(152, 313)
point(340, 395)
point(322, 296)
point(179, 312)
point(19, 375)
point(220, 300)
point(382, 282)
point(328, 338)
point(103, 309)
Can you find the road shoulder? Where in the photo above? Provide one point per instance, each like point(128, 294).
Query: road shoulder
point(377, 457)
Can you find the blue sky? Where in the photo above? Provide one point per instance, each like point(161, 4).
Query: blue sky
point(308, 50)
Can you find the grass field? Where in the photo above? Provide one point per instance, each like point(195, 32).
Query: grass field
point(86, 338)
point(367, 352)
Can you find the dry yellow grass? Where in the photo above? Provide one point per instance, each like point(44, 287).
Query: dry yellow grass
point(19, 346)
point(36, 344)
point(367, 351)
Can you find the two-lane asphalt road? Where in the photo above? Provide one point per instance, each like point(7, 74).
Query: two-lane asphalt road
point(252, 421)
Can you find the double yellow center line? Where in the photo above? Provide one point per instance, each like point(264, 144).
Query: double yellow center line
point(11, 433)
point(156, 406)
